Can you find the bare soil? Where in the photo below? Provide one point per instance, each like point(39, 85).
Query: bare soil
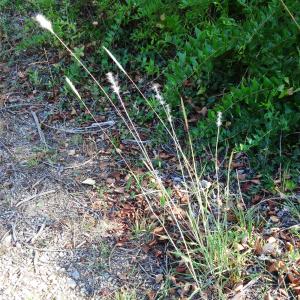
point(57, 235)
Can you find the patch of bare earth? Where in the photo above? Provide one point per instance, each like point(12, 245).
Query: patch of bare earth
point(57, 235)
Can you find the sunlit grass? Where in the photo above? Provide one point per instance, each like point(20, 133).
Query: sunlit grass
point(199, 232)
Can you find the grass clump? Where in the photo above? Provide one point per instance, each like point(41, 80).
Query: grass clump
point(200, 220)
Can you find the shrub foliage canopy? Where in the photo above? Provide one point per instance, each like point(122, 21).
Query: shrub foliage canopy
point(236, 56)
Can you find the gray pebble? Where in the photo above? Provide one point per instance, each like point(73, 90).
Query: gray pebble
point(75, 274)
point(7, 240)
point(44, 258)
point(71, 283)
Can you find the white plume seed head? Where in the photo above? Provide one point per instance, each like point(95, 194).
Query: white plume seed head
point(113, 82)
point(44, 23)
point(219, 119)
point(158, 95)
point(73, 88)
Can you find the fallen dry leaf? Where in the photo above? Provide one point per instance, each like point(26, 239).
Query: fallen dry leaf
point(274, 219)
point(276, 266)
point(164, 155)
point(110, 180)
point(268, 296)
point(72, 152)
point(159, 278)
point(89, 181)
point(158, 230)
point(240, 247)
point(269, 248)
point(119, 190)
point(181, 269)
point(258, 249)
point(203, 111)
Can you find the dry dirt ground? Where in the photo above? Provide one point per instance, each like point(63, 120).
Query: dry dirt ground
point(57, 235)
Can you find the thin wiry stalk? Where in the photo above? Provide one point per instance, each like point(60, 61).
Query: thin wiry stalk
point(190, 217)
point(127, 165)
point(194, 229)
point(290, 13)
point(189, 168)
point(151, 169)
point(143, 96)
point(211, 244)
point(189, 264)
point(198, 182)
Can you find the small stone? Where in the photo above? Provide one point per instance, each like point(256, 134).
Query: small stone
point(271, 240)
point(269, 248)
point(72, 152)
point(159, 278)
point(71, 283)
point(204, 184)
point(7, 241)
point(274, 219)
point(110, 180)
point(44, 258)
point(75, 274)
point(83, 291)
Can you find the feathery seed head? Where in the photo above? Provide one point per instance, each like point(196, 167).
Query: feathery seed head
point(73, 88)
point(219, 119)
point(168, 112)
point(113, 82)
point(44, 23)
point(158, 95)
point(115, 60)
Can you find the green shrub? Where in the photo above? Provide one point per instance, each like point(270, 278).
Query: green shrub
point(235, 56)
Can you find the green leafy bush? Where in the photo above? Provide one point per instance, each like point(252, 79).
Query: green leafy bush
point(235, 56)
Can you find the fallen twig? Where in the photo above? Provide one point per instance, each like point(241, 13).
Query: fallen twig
point(95, 127)
point(47, 250)
point(13, 230)
point(20, 105)
point(41, 133)
point(135, 142)
point(34, 196)
point(33, 239)
point(6, 149)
